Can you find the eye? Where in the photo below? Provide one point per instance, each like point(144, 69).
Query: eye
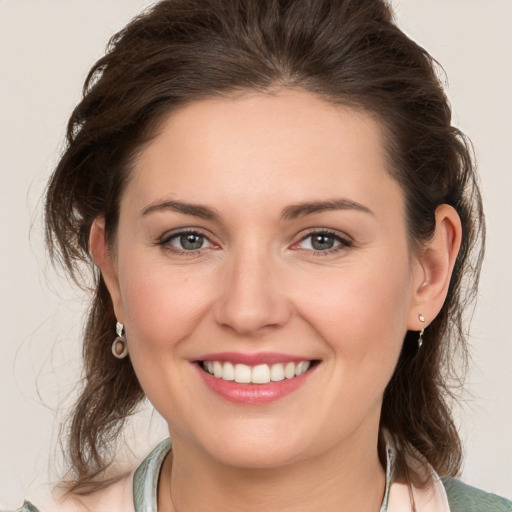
point(323, 241)
point(186, 241)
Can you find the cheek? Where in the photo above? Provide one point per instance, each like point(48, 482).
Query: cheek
point(361, 311)
point(161, 307)
point(162, 310)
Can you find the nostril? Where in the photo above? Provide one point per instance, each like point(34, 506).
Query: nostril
point(249, 317)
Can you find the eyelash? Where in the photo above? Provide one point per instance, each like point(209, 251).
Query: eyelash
point(165, 242)
point(344, 243)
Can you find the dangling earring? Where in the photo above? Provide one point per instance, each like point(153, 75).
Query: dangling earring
point(421, 318)
point(119, 346)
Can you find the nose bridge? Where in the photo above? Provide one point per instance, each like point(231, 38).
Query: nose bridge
point(251, 298)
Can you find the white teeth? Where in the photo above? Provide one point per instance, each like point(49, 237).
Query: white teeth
point(228, 372)
point(289, 370)
point(217, 369)
point(302, 367)
point(259, 374)
point(242, 373)
point(277, 372)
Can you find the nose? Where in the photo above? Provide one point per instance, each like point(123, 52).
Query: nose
point(252, 297)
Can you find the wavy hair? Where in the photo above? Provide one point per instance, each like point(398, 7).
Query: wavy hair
point(348, 52)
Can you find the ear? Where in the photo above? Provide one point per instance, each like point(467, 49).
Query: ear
point(103, 257)
point(434, 267)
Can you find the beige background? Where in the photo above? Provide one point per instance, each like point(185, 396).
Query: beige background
point(46, 48)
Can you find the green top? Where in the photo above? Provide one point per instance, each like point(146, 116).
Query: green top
point(461, 497)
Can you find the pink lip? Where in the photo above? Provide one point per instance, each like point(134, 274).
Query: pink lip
point(253, 394)
point(253, 359)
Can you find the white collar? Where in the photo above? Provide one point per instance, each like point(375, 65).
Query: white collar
point(400, 496)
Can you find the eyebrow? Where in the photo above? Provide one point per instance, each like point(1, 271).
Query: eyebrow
point(295, 211)
point(203, 212)
point(290, 212)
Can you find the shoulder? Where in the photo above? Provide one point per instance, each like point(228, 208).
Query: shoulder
point(139, 485)
point(27, 507)
point(117, 497)
point(464, 498)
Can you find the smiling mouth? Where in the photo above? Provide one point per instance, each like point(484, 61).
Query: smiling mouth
point(258, 374)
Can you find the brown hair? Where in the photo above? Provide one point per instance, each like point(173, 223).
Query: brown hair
point(348, 52)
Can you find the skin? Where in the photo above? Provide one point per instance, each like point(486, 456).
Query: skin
point(257, 285)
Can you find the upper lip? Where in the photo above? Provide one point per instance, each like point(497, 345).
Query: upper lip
point(254, 358)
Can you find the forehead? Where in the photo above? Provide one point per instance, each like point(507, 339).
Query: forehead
point(255, 146)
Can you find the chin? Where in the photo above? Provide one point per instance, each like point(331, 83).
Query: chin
point(269, 456)
point(254, 446)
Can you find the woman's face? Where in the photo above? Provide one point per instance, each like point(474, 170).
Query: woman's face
point(258, 232)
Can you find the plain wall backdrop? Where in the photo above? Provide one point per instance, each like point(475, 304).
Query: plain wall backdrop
point(46, 49)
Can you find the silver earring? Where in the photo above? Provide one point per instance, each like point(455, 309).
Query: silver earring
point(421, 318)
point(119, 346)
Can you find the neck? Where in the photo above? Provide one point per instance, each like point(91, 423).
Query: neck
point(348, 477)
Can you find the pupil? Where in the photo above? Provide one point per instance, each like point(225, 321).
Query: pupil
point(322, 242)
point(191, 241)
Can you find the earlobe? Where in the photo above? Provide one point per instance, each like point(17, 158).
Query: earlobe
point(436, 266)
point(101, 254)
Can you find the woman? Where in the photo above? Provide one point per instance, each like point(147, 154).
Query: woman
point(281, 214)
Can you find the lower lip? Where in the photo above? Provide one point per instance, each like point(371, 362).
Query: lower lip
point(253, 394)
